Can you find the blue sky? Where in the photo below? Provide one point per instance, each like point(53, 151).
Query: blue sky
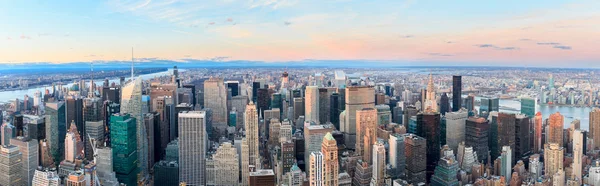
point(536, 32)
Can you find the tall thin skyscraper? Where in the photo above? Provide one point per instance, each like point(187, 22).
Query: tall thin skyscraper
point(477, 133)
point(577, 155)
point(428, 126)
point(378, 165)
point(251, 121)
point(444, 104)
point(131, 103)
point(357, 98)
point(329, 151)
point(506, 132)
point(538, 122)
point(316, 169)
point(123, 133)
point(397, 156)
point(595, 126)
point(506, 159)
point(456, 93)
point(311, 104)
point(215, 98)
point(553, 158)
point(366, 121)
point(431, 100)
point(56, 129)
point(192, 147)
point(556, 123)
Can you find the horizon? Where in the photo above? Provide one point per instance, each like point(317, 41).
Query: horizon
point(547, 34)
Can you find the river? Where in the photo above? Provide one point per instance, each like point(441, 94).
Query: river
point(7, 96)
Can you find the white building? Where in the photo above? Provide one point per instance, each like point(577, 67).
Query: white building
point(226, 165)
point(29, 149)
point(316, 169)
point(192, 147)
point(311, 104)
point(46, 178)
point(131, 103)
point(455, 128)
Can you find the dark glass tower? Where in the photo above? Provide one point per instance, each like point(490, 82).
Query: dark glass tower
point(124, 148)
point(456, 93)
point(444, 104)
point(334, 109)
point(477, 131)
point(506, 132)
point(428, 127)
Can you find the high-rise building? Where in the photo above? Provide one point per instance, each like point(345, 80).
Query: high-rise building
point(506, 133)
point(477, 131)
point(556, 123)
point(226, 165)
point(330, 167)
point(11, 166)
point(444, 104)
point(95, 132)
point(488, 105)
point(379, 163)
point(522, 137)
point(74, 112)
point(131, 103)
point(234, 87)
point(528, 107)
point(428, 126)
point(467, 157)
point(334, 109)
point(311, 104)
point(245, 164)
point(384, 115)
point(397, 156)
point(215, 98)
point(316, 169)
point(594, 173)
point(506, 161)
point(29, 151)
point(363, 174)
point(295, 176)
point(288, 156)
point(537, 123)
point(251, 122)
point(239, 103)
point(357, 98)
point(366, 121)
point(577, 155)
point(76, 178)
point(456, 93)
point(262, 177)
point(535, 166)
point(124, 148)
point(192, 147)
point(455, 127)
point(8, 132)
point(416, 159)
point(446, 171)
point(595, 126)
point(313, 137)
point(56, 129)
point(298, 105)
point(324, 103)
point(46, 177)
point(553, 158)
point(167, 173)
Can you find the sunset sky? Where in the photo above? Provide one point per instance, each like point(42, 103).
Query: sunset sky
point(507, 32)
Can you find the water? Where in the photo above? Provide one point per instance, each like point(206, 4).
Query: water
point(6, 96)
point(570, 113)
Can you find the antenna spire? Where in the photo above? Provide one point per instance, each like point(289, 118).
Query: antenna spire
point(131, 63)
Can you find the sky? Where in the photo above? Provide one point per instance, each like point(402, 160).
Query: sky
point(494, 32)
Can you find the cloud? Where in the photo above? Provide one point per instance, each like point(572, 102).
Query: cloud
point(142, 5)
point(182, 32)
point(450, 42)
point(525, 39)
point(43, 34)
point(496, 47)
point(439, 54)
point(287, 23)
point(25, 37)
point(407, 36)
point(548, 43)
point(274, 4)
point(211, 23)
point(67, 34)
point(229, 20)
point(8, 38)
point(562, 47)
point(219, 58)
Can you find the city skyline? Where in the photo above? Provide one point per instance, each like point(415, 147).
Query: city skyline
point(499, 33)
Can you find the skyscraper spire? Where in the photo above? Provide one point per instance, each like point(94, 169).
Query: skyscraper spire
point(430, 83)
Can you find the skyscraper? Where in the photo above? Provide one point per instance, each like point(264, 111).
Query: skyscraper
point(556, 123)
point(397, 156)
point(311, 104)
point(131, 103)
point(215, 98)
point(316, 169)
point(334, 109)
point(553, 158)
point(366, 119)
point(431, 98)
point(477, 131)
point(446, 171)
point(538, 122)
point(506, 159)
point(416, 159)
point(506, 133)
point(74, 112)
point(29, 151)
point(226, 165)
point(56, 129)
point(251, 121)
point(528, 107)
point(124, 148)
point(455, 128)
point(522, 136)
point(444, 104)
point(313, 135)
point(357, 98)
point(329, 151)
point(379, 163)
point(11, 166)
point(577, 155)
point(8, 132)
point(192, 147)
point(595, 126)
point(456, 93)
point(428, 126)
